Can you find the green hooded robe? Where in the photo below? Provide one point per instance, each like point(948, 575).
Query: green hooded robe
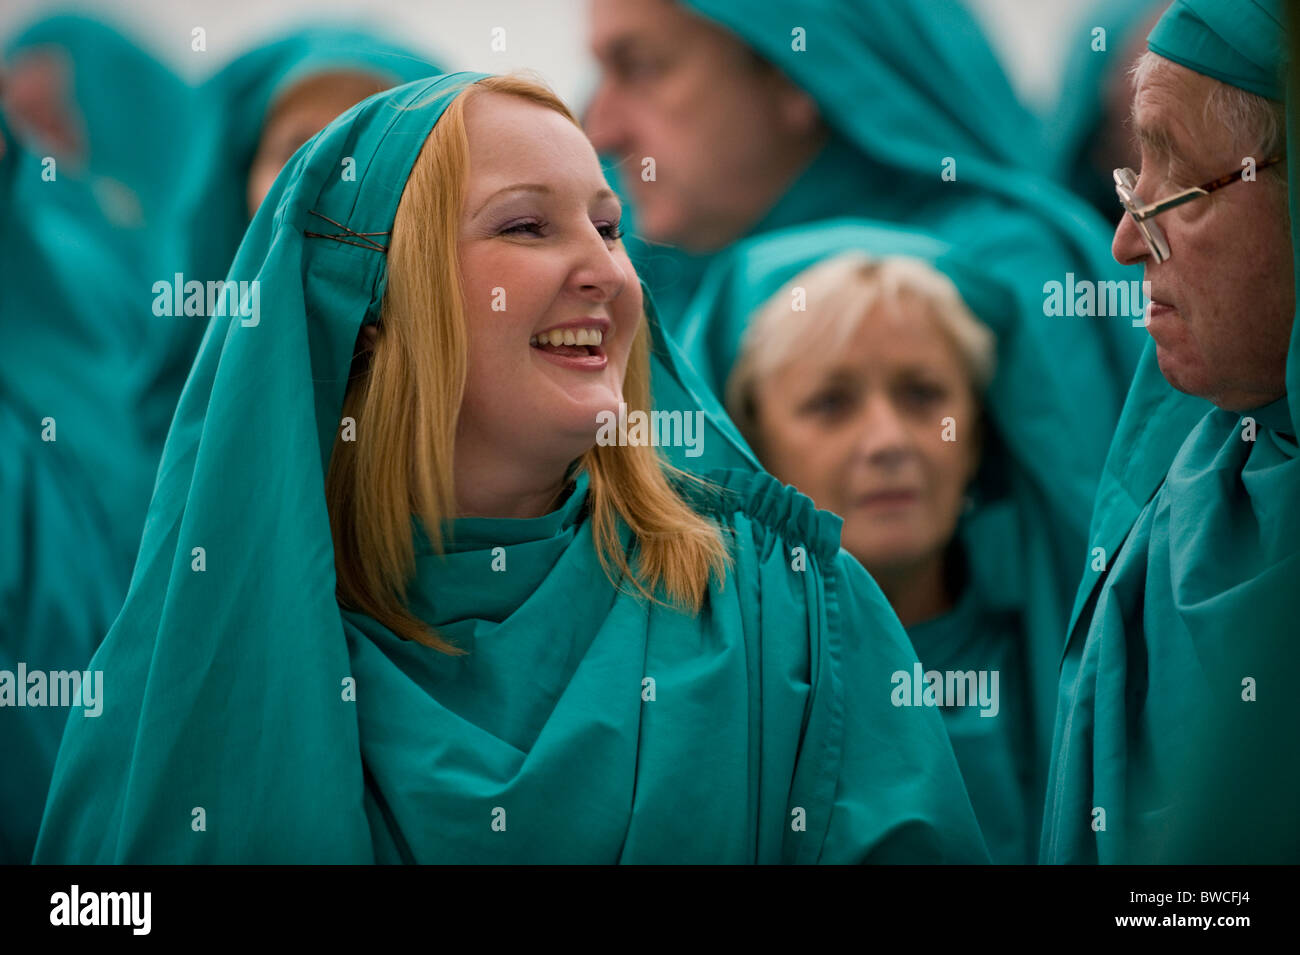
point(1184, 625)
point(247, 718)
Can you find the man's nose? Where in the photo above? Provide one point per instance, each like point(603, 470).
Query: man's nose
point(1128, 247)
point(602, 123)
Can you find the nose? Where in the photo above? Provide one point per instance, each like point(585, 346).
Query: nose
point(602, 122)
point(598, 274)
point(1128, 247)
point(883, 439)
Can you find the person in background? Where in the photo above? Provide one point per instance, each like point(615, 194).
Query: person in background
point(75, 475)
point(105, 128)
point(871, 395)
point(117, 123)
point(728, 120)
point(441, 619)
point(1185, 620)
point(1088, 132)
point(260, 108)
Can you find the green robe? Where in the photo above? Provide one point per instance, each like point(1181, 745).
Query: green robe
point(136, 117)
point(139, 121)
point(1176, 735)
point(76, 474)
point(985, 633)
point(1027, 533)
point(250, 719)
point(927, 133)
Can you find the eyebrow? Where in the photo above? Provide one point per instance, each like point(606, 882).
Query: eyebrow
point(620, 46)
point(1160, 140)
point(541, 189)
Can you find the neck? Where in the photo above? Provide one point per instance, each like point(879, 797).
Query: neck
point(487, 486)
point(917, 593)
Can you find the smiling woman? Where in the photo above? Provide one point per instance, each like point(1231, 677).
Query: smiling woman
point(517, 261)
point(477, 634)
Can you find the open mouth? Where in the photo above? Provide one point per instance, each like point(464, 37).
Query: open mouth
point(584, 345)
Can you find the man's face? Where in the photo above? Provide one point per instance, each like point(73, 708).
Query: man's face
point(1223, 303)
point(726, 134)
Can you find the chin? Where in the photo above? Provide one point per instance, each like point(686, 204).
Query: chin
point(886, 556)
point(1179, 376)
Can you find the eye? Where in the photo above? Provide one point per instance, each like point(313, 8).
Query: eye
point(610, 231)
point(921, 394)
point(638, 67)
point(828, 405)
point(527, 227)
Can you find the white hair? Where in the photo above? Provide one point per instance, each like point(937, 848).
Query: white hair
point(1256, 123)
point(839, 293)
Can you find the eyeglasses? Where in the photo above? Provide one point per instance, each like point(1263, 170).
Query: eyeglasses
point(1144, 216)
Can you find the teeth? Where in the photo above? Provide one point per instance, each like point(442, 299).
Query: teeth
point(569, 336)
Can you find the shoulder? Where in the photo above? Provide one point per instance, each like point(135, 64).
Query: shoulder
point(756, 505)
point(783, 546)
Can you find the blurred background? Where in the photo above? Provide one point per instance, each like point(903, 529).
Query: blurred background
point(545, 35)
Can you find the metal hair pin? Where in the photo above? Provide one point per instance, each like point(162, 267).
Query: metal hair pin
point(365, 243)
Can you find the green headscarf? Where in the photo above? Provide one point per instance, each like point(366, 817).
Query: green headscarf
point(1241, 44)
point(934, 91)
point(961, 99)
point(236, 101)
point(909, 91)
point(1198, 525)
point(75, 476)
point(248, 718)
point(139, 120)
point(136, 115)
point(1027, 526)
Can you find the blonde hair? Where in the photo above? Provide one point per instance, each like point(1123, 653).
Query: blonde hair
point(400, 464)
point(839, 293)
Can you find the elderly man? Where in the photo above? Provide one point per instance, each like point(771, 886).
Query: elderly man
point(1185, 619)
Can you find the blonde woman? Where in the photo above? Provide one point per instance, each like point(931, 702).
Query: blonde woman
point(868, 396)
point(396, 602)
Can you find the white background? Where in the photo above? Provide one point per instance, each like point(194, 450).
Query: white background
point(546, 35)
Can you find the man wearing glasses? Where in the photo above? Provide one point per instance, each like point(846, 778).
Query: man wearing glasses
point(1185, 626)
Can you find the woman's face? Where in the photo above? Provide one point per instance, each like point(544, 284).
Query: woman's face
point(861, 431)
point(540, 256)
point(300, 113)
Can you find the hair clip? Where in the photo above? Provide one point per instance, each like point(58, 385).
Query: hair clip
point(365, 243)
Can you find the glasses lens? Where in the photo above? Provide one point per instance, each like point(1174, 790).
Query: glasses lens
point(1152, 234)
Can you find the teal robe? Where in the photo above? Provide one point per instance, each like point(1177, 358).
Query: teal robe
point(1027, 532)
point(927, 133)
point(1176, 735)
point(252, 720)
point(984, 633)
point(943, 147)
point(76, 474)
point(139, 121)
